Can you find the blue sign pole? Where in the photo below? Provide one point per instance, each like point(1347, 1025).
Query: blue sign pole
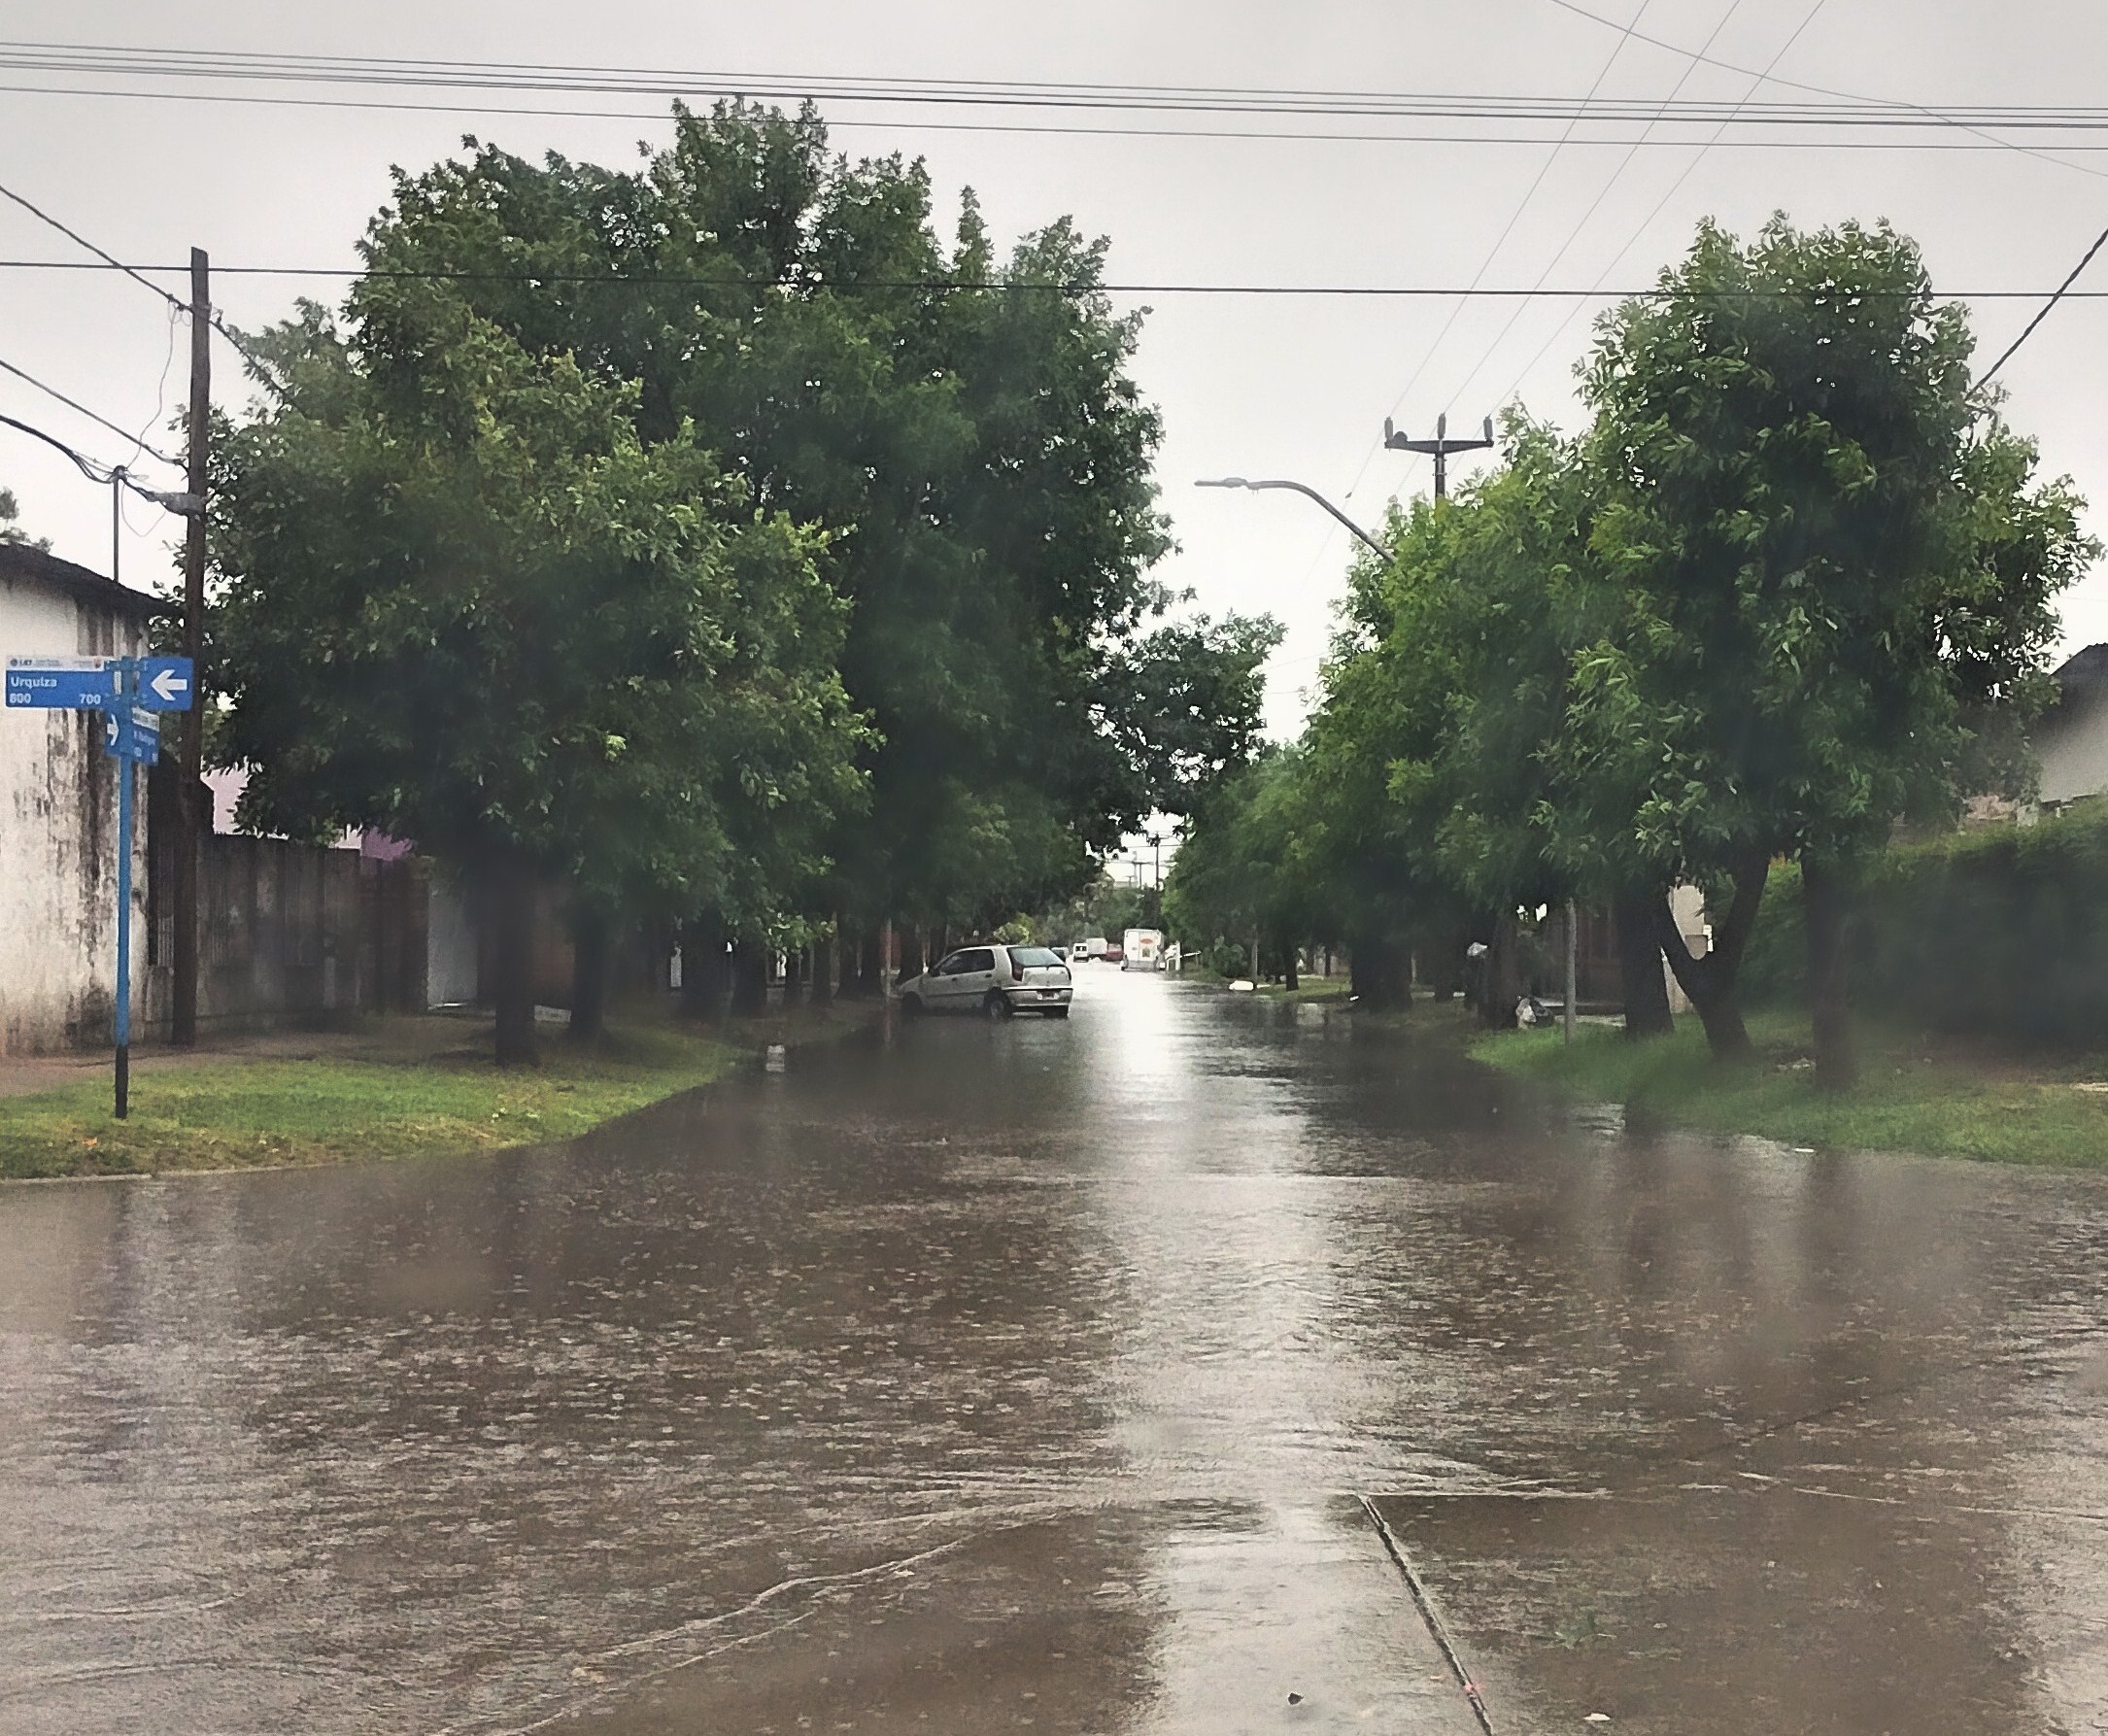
point(127, 682)
point(128, 691)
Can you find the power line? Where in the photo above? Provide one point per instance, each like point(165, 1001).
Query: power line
point(84, 410)
point(89, 467)
point(917, 124)
point(987, 287)
point(75, 236)
point(1844, 107)
point(256, 363)
point(1968, 120)
point(2062, 292)
point(1757, 80)
point(1596, 204)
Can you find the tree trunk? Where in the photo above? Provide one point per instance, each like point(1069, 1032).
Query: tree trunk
point(1645, 982)
point(1826, 900)
point(1710, 981)
point(592, 944)
point(749, 978)
point(911, 959)
point(512, 993)
point(823, 972)
point(703, 965)
point(1500, 984)
point(863, 966)
point(1289, 979)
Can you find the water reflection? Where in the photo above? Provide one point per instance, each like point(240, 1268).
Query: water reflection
point(1006, 1374)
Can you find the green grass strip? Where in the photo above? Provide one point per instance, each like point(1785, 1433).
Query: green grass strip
point(399, 1088)
point(1933, 1097)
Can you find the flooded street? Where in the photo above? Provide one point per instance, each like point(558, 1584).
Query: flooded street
point(1065, 1377)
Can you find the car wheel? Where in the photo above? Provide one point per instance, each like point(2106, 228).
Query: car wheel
point(997, 1005)
point(911, 1006)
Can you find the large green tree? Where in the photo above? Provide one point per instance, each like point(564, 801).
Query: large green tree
point(462, 599)
point(963, 423)
point(1834, 570)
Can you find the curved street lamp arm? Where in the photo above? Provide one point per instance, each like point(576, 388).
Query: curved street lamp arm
point(1311, 494)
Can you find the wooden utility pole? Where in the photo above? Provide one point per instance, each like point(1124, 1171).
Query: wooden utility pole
point(189, 822)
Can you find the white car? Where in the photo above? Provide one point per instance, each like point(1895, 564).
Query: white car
point(1080, 953)
point(997, 981)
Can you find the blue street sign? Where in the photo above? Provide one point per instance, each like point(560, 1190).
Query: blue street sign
point(127, 691)
point(64, 683)
point(165, 683)
point(134, 737)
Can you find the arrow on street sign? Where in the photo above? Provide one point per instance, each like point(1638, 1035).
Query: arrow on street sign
point(63, 683)
point(136, 736)
point(166, 683)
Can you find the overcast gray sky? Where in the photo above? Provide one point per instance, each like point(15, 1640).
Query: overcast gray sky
point(1295, 386)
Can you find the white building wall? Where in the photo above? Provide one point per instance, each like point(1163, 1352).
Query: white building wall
point(2072, 743)
point(450, 948)
point(58, 824)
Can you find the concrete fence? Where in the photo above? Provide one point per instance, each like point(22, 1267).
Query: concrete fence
point(292, 932)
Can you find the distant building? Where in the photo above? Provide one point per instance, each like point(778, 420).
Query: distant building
point(58, 813)
point(2071, 738)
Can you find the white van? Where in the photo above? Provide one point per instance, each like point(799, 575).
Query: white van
point(1141, 949)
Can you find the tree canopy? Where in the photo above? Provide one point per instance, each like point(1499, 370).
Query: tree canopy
point(723, 489)
point(1791, 586)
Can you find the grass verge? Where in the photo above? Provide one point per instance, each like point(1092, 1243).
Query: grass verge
point(1937, 1098)
point(393, 1088)
point(1311, 988)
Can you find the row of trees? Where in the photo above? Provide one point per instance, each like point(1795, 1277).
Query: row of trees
point(1791, 588)
point(714, 540)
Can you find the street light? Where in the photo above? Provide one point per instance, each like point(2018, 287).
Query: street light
point(1238, 481)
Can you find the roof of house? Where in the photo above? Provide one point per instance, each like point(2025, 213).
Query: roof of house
point(21, 562)
point(2083, 675)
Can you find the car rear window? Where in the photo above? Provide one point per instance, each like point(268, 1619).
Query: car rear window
point(1035, 955)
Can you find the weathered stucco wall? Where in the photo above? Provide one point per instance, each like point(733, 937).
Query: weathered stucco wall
point(2073, 744)
point(58, 824)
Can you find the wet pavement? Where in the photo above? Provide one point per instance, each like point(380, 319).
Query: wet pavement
point(991, 1377)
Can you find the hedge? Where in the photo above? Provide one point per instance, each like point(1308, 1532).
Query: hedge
point(2001, 933)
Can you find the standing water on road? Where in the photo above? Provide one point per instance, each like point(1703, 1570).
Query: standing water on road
point(993, 1375)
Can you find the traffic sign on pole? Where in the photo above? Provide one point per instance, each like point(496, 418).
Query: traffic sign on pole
point(62, 683)
point(136, 736)
point(128, 691)
point(166, 683)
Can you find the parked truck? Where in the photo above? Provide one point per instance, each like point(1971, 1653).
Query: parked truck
point(1141, 949)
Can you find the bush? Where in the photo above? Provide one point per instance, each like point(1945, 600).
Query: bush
point(2000, 933)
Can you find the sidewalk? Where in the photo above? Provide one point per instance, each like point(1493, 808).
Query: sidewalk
point(399, 1038)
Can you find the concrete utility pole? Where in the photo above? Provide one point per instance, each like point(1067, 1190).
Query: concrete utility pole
point(1441, 446)
point(192, 762)
point(1573, 948)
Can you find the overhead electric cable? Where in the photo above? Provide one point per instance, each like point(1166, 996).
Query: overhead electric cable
point(1486, 265)
point(258, 366)
point(89, 467)
point(247, 66)
point(1934, 116)
point(2063, 291)
point(1757, 80)
point(80, 240)
point(83, 410)
point(1574, 234)
point(971, 286)
point(897, 124)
